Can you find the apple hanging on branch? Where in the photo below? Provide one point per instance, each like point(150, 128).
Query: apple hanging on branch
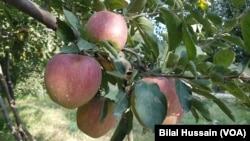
point(108, 26)
point(72, 80)
point(92, 121)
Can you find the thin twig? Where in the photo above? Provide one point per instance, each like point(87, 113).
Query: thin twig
point(8, 120)
point(21, 128)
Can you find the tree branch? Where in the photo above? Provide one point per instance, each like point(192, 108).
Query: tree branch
point(8, 120)
point(35, 11)
point(25, 134)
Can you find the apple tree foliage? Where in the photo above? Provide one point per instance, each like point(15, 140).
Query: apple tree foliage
point(203, 44)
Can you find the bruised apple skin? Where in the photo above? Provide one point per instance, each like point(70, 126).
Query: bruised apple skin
point(109, 26)
point(72, 80)
point(167, 87)
point(89, 118)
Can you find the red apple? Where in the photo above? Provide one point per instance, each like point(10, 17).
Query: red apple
point(167, 87)
point(109, 26)
point(72, 80)
point(89, 118)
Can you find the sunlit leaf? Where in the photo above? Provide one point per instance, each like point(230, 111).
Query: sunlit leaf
point(224, 57)
point(234, 40)
point(145, 24)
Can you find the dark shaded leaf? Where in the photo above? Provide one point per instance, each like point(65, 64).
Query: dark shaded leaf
point(219, 103)
point(136, 6)
point(72, 19)
point(64, 31)
point(149, 104)
point(184, 94)
point(202, 108)
point(121, 103)
point(125, 125)
point(245, 26)
point(174, 28)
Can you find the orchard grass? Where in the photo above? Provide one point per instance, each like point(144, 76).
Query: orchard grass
point(48, 121)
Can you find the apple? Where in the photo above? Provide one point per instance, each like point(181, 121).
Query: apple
point(167, 87)
point(89, 117)
point(72, 80)
point(108, 26)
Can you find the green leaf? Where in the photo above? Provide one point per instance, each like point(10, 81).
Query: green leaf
point(145, 24)
point(188, 42)
point(116, 4)
point(174, 28)
point(238, 3)
point(149, 104)
point(236, 91)
point(84, 45)
point(217, 20)
point(116, 74)
point(184, 94)
point(234, 40)
point(224, 57)
point(172, 60)
point(136, 6)
point(219, 103)
point(199, 18)
point(192, 68)
point(112, 91)
point(124, 126)
point(202, 108)
point(121, 103)
point(195, 114)
point(174, 3)
point(64, 31)
point(72, 19)
point(230, 24)
point(202, 84)
point(146, 30)
point(69, 49)
point(245, 26)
